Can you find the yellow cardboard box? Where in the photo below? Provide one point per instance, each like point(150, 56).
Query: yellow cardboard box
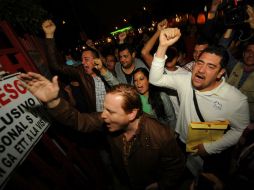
point(202, 132)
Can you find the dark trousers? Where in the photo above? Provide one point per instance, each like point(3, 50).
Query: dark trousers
point(217, 164)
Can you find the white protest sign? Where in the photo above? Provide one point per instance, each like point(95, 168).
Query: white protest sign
point(22, 123)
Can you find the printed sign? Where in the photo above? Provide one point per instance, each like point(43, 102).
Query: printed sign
point(22, 123)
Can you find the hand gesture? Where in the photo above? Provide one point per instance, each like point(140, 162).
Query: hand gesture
point(169, 36)
point(68, 89)
point(39, 86)
point(49, 28)
point(98, 64)
point(162, 25)
point(122, 36)
point(250, 12)
point(90, 44)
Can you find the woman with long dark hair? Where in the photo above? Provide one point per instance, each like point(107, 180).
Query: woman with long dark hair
point(154, 101)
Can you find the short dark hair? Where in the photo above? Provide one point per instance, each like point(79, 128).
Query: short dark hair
point(131, 97)
point(171, 53)
point(247, 44)
point(111, 54)
point(219, 51)
point(94, 52)
point(125, 46)
point(202, 40)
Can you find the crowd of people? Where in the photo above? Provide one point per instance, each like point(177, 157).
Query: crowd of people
point(145, 101)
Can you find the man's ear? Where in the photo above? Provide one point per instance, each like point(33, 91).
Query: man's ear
point(221, 73)
point(133, 114)
point(133, 55)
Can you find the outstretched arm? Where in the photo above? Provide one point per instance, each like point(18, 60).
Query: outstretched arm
point(146, 54)
point(55, 59)
point(168, 37)
point(47, 91)
point(49, 28)
point(105, 73)
point(43, 89)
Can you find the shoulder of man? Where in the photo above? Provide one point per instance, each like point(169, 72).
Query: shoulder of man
point(118, 65)
point(233, 92)
point(139, 63)
point(156, 130)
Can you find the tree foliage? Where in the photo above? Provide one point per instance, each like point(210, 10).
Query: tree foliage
point(26, 15)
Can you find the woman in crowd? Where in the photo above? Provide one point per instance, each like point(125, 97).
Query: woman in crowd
point(154, 101)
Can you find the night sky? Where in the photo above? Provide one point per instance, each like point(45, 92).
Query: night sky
point(99, 17)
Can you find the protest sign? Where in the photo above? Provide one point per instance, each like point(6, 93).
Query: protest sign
point(22, 123)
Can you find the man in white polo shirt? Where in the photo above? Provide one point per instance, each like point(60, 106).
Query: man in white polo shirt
point(217, 100)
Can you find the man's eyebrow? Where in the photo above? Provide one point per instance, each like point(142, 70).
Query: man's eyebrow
point(109, 110)
point(200, 60)
point(208, 63)
point(213, 64)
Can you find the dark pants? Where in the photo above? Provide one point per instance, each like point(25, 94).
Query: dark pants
point(217, 164)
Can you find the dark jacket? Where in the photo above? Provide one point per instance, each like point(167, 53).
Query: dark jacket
point(57, 65)
point(154, 157)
